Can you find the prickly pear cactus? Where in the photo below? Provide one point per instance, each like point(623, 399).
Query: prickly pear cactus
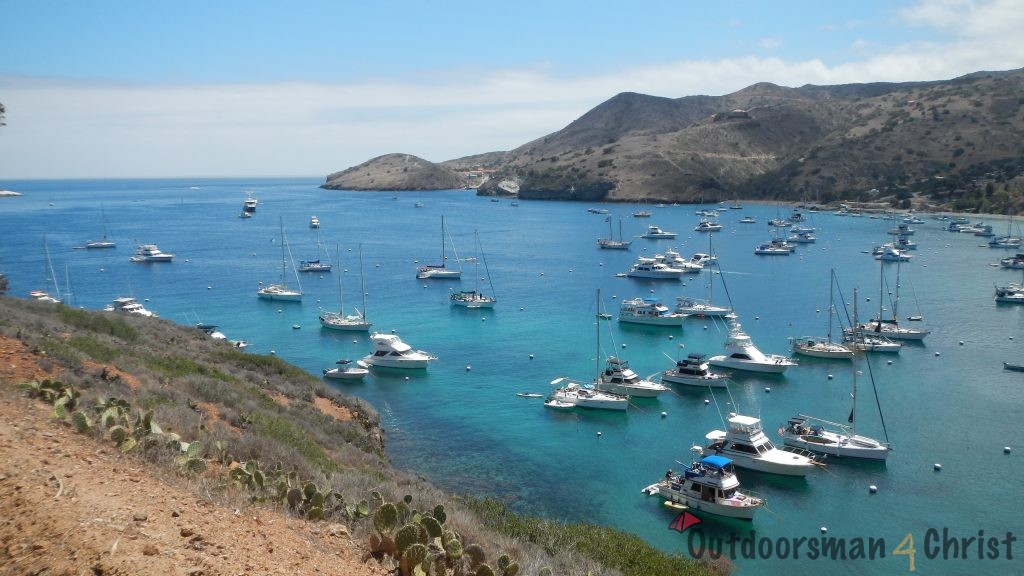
point(432, 526)
point(476, 555)
point(484, 570)
point(385, 518)
point(406, 537)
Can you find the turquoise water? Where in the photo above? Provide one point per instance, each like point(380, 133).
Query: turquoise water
point(460, 423)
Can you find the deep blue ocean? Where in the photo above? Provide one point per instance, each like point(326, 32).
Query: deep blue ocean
point(461, 424)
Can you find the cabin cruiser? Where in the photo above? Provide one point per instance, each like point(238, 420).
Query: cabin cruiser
point(674, 259)
point(249, 205)
point(1015, 262)
point(472, 299)
point(748, 220)
point(576, 395)
point(314, 222)
point(748, 447)
point(890, 253)
point(651, 268)
point(708, 485)
point(347, 370)
point(1010, 294)
point(708, 226)
point(619, 378)
point(390, 352)
point(126, 305)
point(657, 233)
point(697, 307)
point(768, 249)
point(314, 266)
point(150, 253)
point(703, 260)
point(801, 237)
point(741, 354)
point(694, 371)
point(649, 311)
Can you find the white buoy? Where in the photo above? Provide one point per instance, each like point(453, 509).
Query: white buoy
point(623, 344)
point(757, 317)
point(817, 311)
point(705, 327)
point(1006, 449)
point(598, 433)
point(279, 311)
point(961, 342)
point(768, 389)
point(468, 367)
point(706, 401)
point(272, 352)
point(663, 414)
point(872, 488)
point(531, 356)
point(829, 376)
point(484, 319)
point(824, 529)
point(296, 326)
point(355, 341)
point(209, 287)
point(889, 362)
point(937, 466)
point(406, 378)
point(570, 270)
point(521, 308)
point(937, 354)
point(670, 336)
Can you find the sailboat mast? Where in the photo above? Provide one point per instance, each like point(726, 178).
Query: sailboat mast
point(597, 339)
point(341, 291)
point(362, 288)
point(443, 261)
point(49, 266)
point(831, 301)
point(853, 409)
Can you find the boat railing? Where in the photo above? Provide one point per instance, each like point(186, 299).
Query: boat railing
point(823, 421)
point(800, 451)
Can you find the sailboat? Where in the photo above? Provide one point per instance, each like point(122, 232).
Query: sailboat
point(610, 243)
point(817, 346)
point(40, 295)
point(704, 308)
point(105, 242)
point(583, 394)
point(282, 291)
point(890, 328)
point(832, 438)
point(315, 265)
point(475, 298)
point(338, 320)
point(440, 271)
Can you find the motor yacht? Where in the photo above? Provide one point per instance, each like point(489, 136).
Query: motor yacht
point(694, 371)
point(390, 352)
point(708, 485)
point(741, 354)
point(746, 444)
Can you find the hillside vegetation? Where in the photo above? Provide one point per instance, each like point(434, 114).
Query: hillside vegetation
point(954, 144)
point(164, 432)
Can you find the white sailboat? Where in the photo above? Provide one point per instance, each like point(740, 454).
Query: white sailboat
point(696, 306)
point(282, 291)
point(339, 320)
point(475, 298)
point(579, 394)
point(832, 438)
point(610, 243)
point(105, 242)
point(890, 328)
point(819, 347)
point(316, 265)
point(441, 271)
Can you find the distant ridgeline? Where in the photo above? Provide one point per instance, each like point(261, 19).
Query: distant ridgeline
point(953, 144)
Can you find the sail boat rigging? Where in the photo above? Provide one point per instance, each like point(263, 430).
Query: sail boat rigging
point(315, 265)
point(282, 291)
point(441, 271)
point(338, 320)
point(475, 298)
point(704, 308)
point(824, 347)
point(835, 439)
point(105, 242)
point(890, 328)
point(40, 295)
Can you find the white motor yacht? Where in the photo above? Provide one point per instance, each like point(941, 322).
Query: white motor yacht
point(694, 371)
point(741, 354)
point(390, 352)
point(578, 395)
point(767, 249)
point(314, 222)
point(347, 370)
point(650, 268)
point(708, 226)
point(150, 253)
point(748, 447)
point(127, 305)
point(619, 378)
point(41, 296)
point(698, 307)
point(708, 485)
point(674, 259)
point(649, 311)
point(657, 233)
point(472, 299)
point(1010, 294)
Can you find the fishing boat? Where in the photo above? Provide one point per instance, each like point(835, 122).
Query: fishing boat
point(356, 322)
point(281, 290)
point(834, 439)
point(745, 443)
point(610, 243)
point(127, 305)
point(656, 233)
point(649, 311)
point(694, 371)
point(476, 298)
point(390, 352)
point(576, 394)
point(150, 253)
point(708, 485)
point(619, 378)
point(441, 271)
point(824, 347)
point(651, 268)
point(347, 370)
point(741, 354)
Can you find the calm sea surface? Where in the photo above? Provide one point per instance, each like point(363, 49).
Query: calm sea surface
point(460, 422)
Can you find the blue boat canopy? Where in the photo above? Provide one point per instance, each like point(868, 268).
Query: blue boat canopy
point(716, 461)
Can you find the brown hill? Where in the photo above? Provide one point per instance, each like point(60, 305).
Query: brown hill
point(955, 143)
point(395, 172)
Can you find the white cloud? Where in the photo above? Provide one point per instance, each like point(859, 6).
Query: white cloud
point(64, 128)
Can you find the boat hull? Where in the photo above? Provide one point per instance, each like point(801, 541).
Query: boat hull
point(742, 512)
point(389, 363)
point(654, 321)
point(851, 448)
point(281, 296)
point(695, 381)
point(345, 325)
point(349, 374)
point(742, 460)
point(765, 368)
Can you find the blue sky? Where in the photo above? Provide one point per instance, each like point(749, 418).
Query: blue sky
point(141, 89)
